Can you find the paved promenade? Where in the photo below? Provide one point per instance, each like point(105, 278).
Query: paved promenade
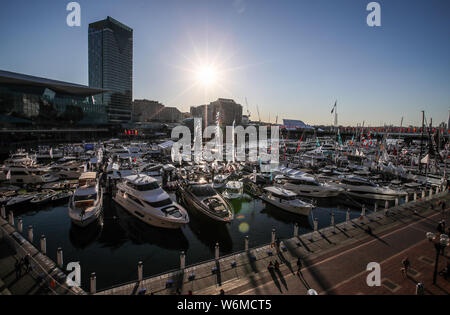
point(334, 260)
point(43, 278)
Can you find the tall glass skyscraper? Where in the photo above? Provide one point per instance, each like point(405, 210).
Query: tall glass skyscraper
point(111, 67)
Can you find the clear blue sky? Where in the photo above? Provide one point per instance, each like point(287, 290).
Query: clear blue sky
point(292, 58)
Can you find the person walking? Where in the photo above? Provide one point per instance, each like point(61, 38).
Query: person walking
point(406, 265)
point(277, 265)
point(27, 263)
point(299, 265)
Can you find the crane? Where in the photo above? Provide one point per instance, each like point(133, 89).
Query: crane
point(248, 112)
point(259, 117)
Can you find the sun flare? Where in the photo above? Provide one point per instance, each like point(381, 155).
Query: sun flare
point(207, 76)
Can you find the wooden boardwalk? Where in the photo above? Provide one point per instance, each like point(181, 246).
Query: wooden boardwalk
point(244, 271)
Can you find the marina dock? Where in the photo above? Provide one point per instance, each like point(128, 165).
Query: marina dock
point(246, 272)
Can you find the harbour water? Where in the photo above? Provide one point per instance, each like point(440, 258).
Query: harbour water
point(113, 248)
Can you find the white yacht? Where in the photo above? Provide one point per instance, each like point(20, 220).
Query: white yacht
point(286, 200)
point(142, 196)
point(364, 188)
point(20, 158)
point(234, 190)
point(308, 186)
point(28, 175)
point(85, 205)
point(220, 180)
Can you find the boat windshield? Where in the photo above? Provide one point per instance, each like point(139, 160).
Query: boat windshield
point(85, 197)
point(203, 190)
point(144, 187)
point(159, 204)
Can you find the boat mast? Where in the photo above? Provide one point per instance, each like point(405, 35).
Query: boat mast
point(421, 142)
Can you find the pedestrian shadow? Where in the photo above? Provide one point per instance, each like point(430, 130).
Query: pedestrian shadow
point(303, 280)
point(377, 238)
point(275, 280)
point(252, 262)
point(283, 281)
point(284, 260)
point(218, 274)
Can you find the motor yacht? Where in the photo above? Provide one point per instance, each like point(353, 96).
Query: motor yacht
point(202, 197)
point(85, 205)
point(142, 196)
point(286, 200)
point(308, 186)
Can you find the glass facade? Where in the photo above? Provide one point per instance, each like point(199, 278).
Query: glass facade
point(111, 67)
point(43, 106)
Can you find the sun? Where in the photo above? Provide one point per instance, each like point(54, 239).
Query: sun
point(207, 75)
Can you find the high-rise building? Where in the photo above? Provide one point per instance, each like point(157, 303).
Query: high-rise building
point(228, 111)
point(111, 67)
point(147, 111)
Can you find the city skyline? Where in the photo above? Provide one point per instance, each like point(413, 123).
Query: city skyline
point(321, 52)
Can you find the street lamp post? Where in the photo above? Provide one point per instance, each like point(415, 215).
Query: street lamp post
point(439, 244)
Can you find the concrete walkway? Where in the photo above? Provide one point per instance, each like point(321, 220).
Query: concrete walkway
point(331, 259)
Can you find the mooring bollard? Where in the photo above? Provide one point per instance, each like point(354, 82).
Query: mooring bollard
point(93, 283)
point(59, 257)
point(316, 226)
point(182, 260)
point(43, 245)
point(363, 211)
point(30, 234)
point(217, 251)
point(273, 235)
point(3, 212)
point(11, 218)
point(333, 226)
point(295, 229)
point(140, 271)
point(20, 225)
point(246, 243)
point(347, 217)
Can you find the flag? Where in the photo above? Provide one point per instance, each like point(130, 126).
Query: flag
point(299, 143)
point(334, 107)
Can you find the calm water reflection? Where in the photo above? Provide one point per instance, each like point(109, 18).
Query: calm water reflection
point(113, 247)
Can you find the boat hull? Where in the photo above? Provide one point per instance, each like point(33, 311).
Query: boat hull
point(147, 217)
point(296, 210)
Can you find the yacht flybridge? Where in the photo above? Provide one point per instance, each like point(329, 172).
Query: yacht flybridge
point(234, 190)
point(286, 200)
point(364, 188)
point(85, 205)
point(310, 187)
point(142, 196)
